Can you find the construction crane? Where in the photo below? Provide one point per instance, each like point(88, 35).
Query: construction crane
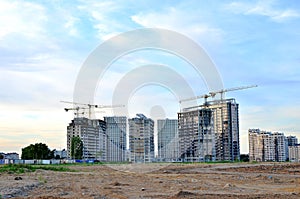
point(213, 94)
point(75, 109)
point(89, 106)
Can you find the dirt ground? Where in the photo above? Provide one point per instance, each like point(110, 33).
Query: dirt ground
point(265, 180)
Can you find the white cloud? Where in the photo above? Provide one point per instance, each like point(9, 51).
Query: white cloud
point(181, 21)
point(20, 17)
point(99, 15)
point(70, 25)
point(263, 8)
point(286, 14)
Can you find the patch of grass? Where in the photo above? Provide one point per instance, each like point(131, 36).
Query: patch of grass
point(85, 164)
point(42, 179)
point(16, 168)
point(53, 168)
point(22, 168)
point(116, 163)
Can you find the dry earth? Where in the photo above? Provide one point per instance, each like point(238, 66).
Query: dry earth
point(268, 180)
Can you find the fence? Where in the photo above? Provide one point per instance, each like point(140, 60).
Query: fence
point(19, 161)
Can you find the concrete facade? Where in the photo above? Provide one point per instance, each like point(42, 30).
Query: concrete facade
point(267, 146)
point(294, 153)
point(141, 139)
point(196, 136)
point(92, 134)
point(226, 128)
point(220, 135)
point(167, 140)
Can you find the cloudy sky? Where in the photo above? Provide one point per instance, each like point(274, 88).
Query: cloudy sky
point(44, 45)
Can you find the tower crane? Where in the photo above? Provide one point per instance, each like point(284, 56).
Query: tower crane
point(214, 93)
point(89, 106)
point(76, 109)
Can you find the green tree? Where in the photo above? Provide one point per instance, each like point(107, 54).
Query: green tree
point(1, 156)
point(76, 148)
point(244, 158)
point(36, 151)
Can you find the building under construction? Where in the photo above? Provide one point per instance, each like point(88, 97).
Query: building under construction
point(92, 133)
point(209, 132)
point(141, 139)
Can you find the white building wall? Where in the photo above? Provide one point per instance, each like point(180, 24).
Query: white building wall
point(294, 153)
point(92, 134)
point(141, 139)
point(267, 146)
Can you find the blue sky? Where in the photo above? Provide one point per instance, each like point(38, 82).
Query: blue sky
point(43, 46)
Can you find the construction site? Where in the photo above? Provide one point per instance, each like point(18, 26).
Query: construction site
point(206, 132)
point(176, 180)
point(207, 165)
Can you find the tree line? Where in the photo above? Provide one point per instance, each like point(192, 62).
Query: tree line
point(41, 151)
point(37, 151)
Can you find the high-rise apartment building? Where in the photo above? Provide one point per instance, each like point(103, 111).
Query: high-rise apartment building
point(141, 139)
point(261, 145)
point(267, 146)
point(92, 134)
point(116, 138)
point(292, 140)
point(196, 135)
point(211, 127)
point(294, 153)
point(280, 142)
point(167, 140)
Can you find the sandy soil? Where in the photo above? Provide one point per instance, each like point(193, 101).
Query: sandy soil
point(268, 180)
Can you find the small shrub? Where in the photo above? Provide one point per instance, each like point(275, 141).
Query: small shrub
point(42, 179)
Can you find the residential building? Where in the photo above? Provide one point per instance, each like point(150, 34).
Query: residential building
point(294, 153)
point(212, 127)
point(255, 145)
point(92, 134)
point(292, 140)
point(167, 140)
point(280, 143)
point(116, 138)
point(61, 154)
point(141, 139)
point(10, 156)
point(267, 146)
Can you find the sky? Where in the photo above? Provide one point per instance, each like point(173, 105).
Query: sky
point(43, 46)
